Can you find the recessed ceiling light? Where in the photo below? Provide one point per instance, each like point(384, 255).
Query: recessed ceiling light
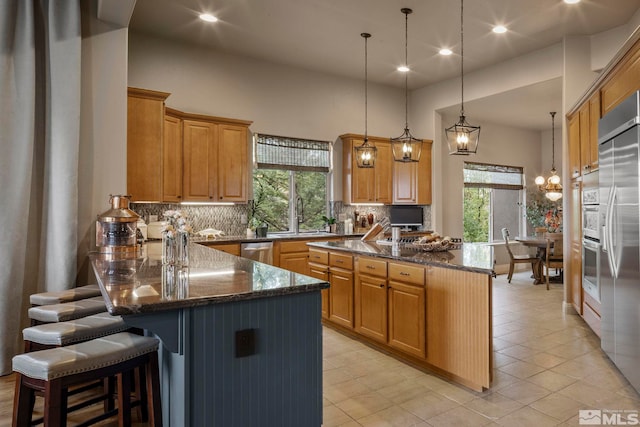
point(403, 68)
point(208, 17)
point(499, 29)
point(571, 1)
point(446, 52)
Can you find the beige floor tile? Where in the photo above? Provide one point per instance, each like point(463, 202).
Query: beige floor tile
point(403, 391)
point(558, 406)
point(428, 405)
point(334, 416)
point(521, 369)
point(502, 380)
point(551, 380)
point(524, 392)
point(459, 417)
point(585, 393)
point(545, 360)
point(500, 359)
point(393, 416)
point(573, 368)
point(456, 393)
point(518, 351)
point(527, 417)
point(494, 405)
point(345, 390)
point(376, 380)
point(362, 405)
point(335, 376)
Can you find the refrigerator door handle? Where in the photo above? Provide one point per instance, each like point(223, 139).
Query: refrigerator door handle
point(610, 221)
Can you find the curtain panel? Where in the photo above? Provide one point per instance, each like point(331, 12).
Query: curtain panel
point(40, 45)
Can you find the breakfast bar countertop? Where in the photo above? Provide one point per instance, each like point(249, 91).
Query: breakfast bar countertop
point(471, 257)
point(139, 283)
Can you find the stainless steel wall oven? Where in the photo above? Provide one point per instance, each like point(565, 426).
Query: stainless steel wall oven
point(591, 228)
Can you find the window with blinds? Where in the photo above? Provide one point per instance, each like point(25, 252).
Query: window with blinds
point(493, 176)
point(296, 154)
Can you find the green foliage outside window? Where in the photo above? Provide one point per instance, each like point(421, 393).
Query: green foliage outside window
point(477, 202)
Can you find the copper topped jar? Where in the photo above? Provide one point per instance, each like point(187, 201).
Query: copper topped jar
point(116, 228)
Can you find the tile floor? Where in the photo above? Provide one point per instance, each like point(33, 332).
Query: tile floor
point(548, 365)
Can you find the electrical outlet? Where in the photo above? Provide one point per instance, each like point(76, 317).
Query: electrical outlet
point(245, 342)
point(153, 218)
point(342, 217)
point(243, 219)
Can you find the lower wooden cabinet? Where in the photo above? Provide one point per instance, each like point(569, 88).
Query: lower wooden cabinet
point(407, 318)
point(341, 294)
point(297, 262)
point(371, 302)
point(321, 271)
point(230, 248)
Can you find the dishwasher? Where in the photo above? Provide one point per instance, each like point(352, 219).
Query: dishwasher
point(258, 251)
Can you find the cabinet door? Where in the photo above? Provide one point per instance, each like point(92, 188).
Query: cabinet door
point(200, 159)
point(321, 272)
point(230, 248)
point(407, 318)
point(594, 118)
point(172, 160)
point(371, 307)
point(383, 179)
point(585, 150)
point(362, 179)
point(412, 181)
point(232, 163)
point(145, 117)
point(575, 258)
point(297, 262)
point(574, 146)
point(341, 297)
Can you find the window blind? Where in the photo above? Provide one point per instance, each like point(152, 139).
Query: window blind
point(493, 176)
point(286, 153)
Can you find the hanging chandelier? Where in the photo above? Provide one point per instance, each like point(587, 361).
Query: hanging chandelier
point(406, 148)
point(462, 137)
point(366, 153)
point(553, 188)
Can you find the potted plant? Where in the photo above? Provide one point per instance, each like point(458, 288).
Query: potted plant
point(537, 210)
point(330, 223)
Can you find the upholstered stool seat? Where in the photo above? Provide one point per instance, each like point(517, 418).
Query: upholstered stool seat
point(67, 311)
point(74, 331)
point(53, 371)
point(48, 298)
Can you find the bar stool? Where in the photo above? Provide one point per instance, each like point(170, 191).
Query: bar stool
point(48, 298)
point(53, 371)
point(66, 311)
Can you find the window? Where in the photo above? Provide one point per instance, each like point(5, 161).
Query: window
point(290, 182)
point(492, 201)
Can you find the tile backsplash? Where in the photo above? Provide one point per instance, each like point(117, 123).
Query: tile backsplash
point(229, 218)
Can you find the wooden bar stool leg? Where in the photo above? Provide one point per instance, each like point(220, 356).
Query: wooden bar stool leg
point(55, 397)
point(124, 398)
point(23, 401)
point(153, 390)
point(141, 394)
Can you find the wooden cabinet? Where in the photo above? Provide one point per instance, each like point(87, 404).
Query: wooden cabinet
point(371, 300)
point(230, 248)
point(293, 256)
point(622, 80)
point(319, 268)
point(367, 185)
point(215, 161)
point(145, 120)
point(574, 146)
point(412, 181)
point(172, 157)
point(575, 260)
point(406, 294)
point(341, 295)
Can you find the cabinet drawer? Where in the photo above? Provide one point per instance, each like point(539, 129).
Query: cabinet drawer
point(294, 246)
point(319, 271)
point(406, 273)
point(372, 267)
point(318, 256)
point(341, 260)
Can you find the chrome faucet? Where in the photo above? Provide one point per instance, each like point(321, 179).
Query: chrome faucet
point(299, 213)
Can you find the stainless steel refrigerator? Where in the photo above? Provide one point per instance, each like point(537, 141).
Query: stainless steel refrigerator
point(619, 158)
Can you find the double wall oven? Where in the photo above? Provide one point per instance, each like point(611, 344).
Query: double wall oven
point(591, 237)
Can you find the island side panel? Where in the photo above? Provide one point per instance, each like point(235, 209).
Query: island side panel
point(281, 384)
point(459, 334)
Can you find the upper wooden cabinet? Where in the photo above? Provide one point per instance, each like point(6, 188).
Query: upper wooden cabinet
point(367, 185)
point(173, 156)
point(574, 146)
point(412, 181)
point(622, 80)
point(388, 182)
point(145, 124)
point(589, 116)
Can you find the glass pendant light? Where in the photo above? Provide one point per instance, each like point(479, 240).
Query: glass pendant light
point(553, 188)
point(366, 153)
point(406, 148)
point(462, 137)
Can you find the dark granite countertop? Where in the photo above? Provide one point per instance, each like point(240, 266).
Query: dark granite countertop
point(272, 237)
point(470, 257)
point(138, 282)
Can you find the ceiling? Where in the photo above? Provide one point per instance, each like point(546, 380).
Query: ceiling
point(324, 36)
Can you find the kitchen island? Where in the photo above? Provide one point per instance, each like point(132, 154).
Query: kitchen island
point(241, 341)
point(431, 309)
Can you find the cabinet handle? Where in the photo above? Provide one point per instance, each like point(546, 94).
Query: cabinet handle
point(371, 267)
point(179, 197)
point(382, 285)
point(339, 261)
point(402, 273)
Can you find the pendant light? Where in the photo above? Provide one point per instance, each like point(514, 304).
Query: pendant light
point(366, 153)
point(553, 188)
point(462, 137)
point(406, 148)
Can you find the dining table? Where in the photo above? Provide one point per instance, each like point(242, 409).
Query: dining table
point(540, 243)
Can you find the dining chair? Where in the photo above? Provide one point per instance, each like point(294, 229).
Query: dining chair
point(518, 259)
point(553, 257)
